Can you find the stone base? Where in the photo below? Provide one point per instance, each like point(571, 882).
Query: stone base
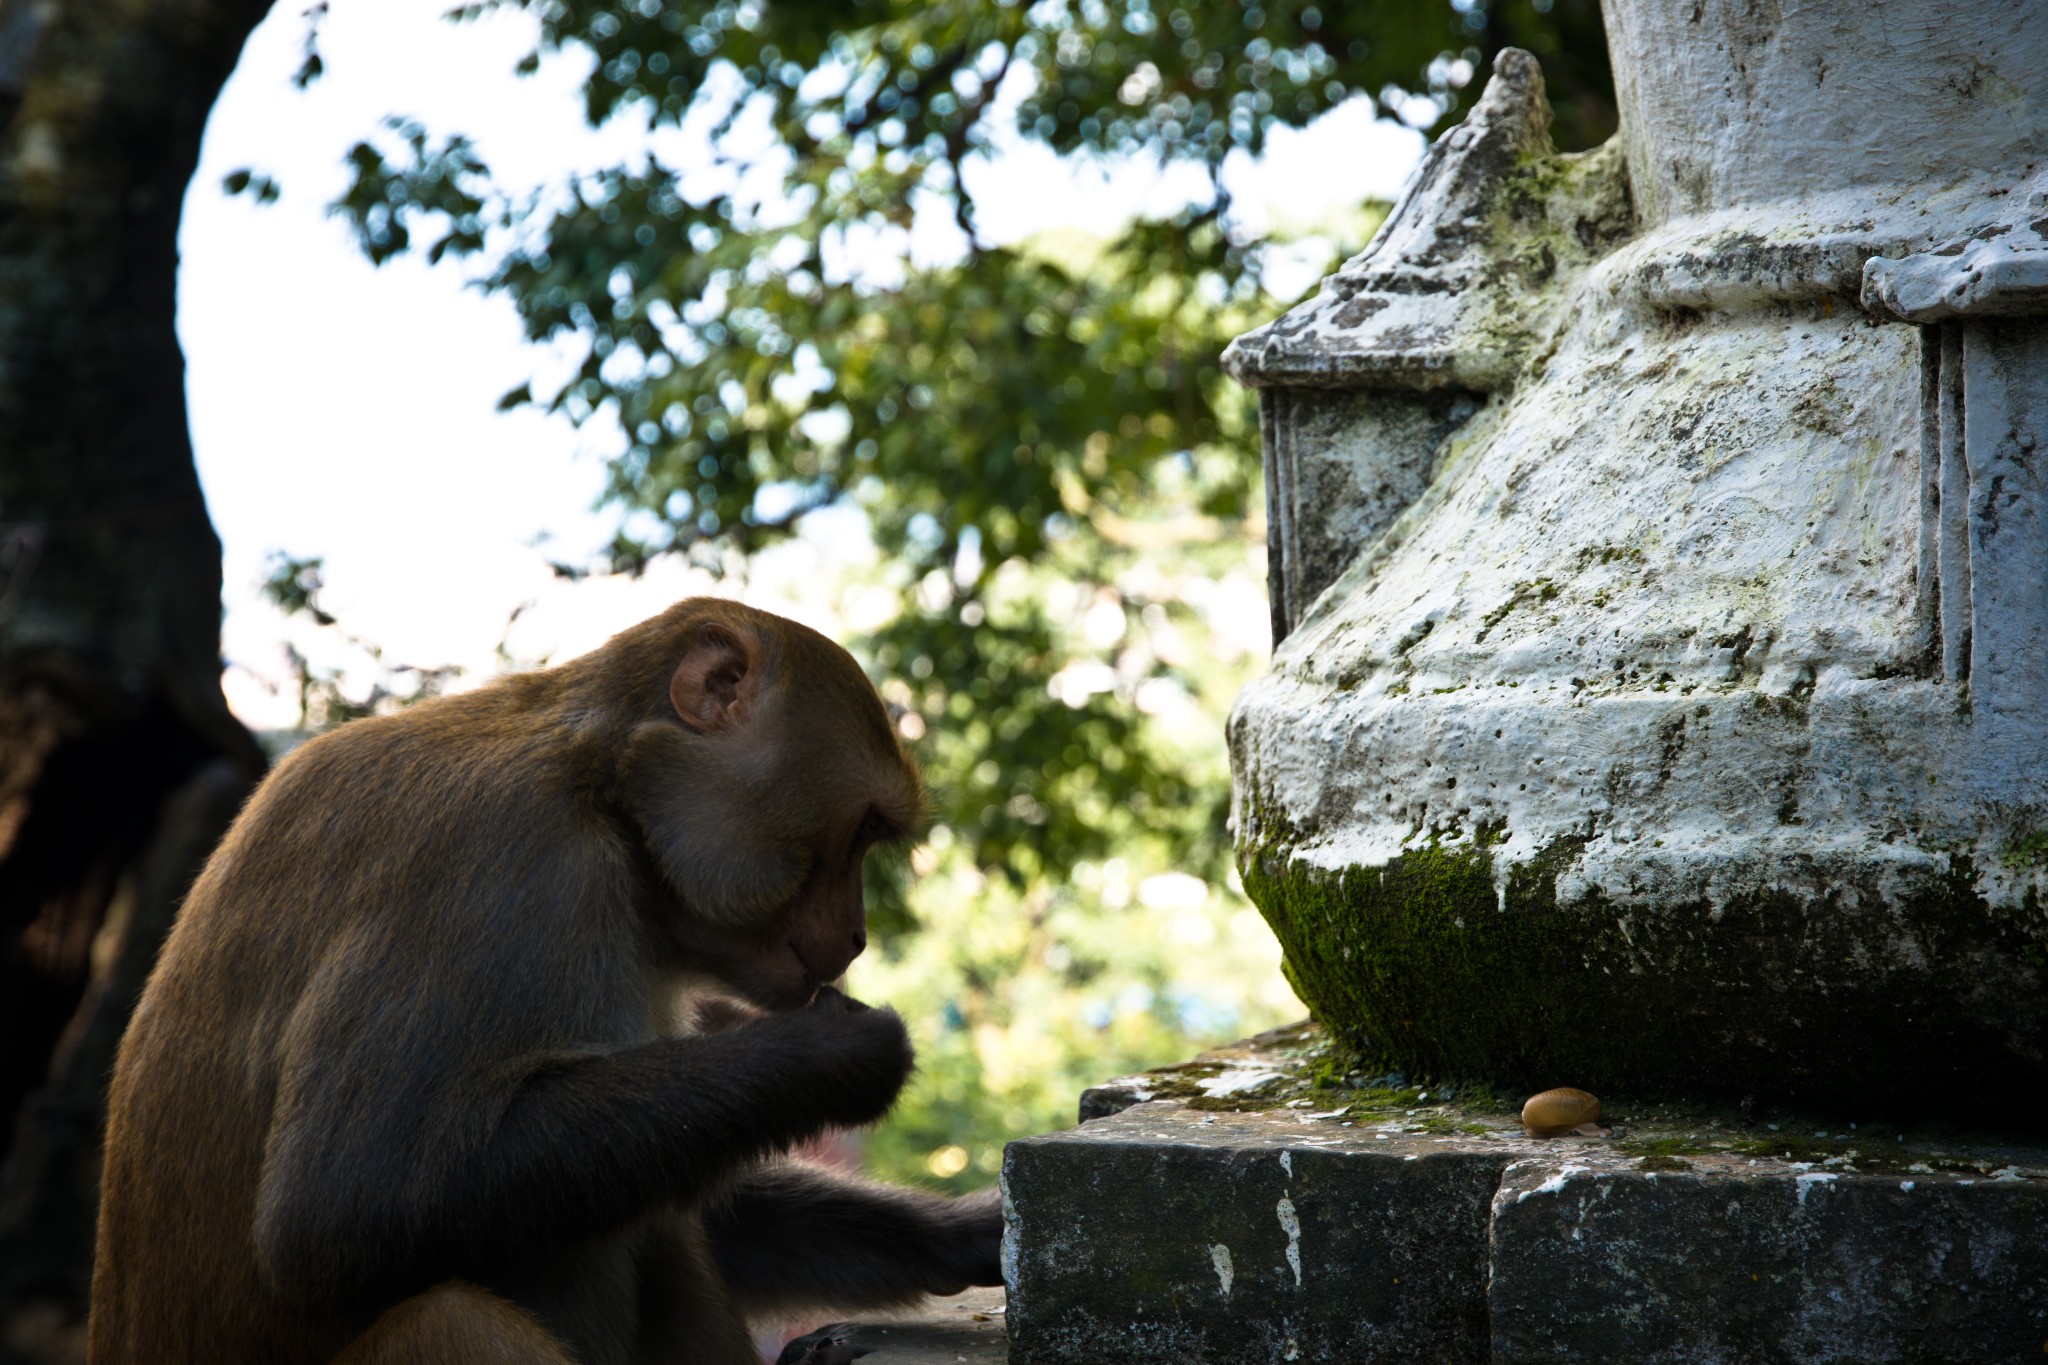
point(1375, 1225)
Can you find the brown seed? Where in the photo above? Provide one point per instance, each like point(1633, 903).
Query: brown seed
point(1559, 1111)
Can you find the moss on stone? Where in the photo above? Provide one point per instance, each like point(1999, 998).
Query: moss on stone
point(1661, 1149)
point(1320, 1079)
point(1445, 964)
point(2027, 849)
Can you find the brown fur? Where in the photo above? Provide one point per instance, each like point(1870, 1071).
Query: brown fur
point(412, 1068)
point(457, 1322)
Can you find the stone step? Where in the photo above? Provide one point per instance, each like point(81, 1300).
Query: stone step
point(1171, 1231)
point(966, 1329)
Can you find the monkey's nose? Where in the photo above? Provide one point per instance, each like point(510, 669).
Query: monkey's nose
point(860, 941)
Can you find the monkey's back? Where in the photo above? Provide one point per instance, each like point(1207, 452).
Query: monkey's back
point(176, 1276)
point(322, 850)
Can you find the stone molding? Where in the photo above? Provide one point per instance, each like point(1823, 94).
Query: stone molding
point(1996, 272)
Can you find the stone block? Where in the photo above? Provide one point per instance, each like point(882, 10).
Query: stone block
point(1379, 1224)
point(1726, 1260)
point(1168, 1234)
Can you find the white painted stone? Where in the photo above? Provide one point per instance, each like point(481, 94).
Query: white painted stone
point(1291, 1225)
point(1730, 579)
point(1219, 1259)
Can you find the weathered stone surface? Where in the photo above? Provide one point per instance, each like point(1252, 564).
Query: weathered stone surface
point(1434, 1230)
point(1729, 103)
point(966, 1327)
point(1340, 467)
point(1168, 1234)
point(1682, 729)
point(1718, 1260)
point(1467, 274)
point(1264, 1065)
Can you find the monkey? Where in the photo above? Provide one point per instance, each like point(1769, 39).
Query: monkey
point(418, 1079)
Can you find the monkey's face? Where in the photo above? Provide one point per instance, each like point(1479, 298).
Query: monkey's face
point(760, 797)
point(778, 959)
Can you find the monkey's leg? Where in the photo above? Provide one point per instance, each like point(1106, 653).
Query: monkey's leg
point(791, 1237)
point(456, 1322)
point(687, 1315)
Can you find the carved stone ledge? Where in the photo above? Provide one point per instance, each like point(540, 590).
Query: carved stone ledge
point(1860, 247)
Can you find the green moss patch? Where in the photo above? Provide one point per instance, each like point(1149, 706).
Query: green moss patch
point(1440, 963)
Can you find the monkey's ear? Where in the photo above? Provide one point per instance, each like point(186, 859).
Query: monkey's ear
point(714, 687)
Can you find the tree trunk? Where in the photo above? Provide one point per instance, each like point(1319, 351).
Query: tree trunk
point(119, 761)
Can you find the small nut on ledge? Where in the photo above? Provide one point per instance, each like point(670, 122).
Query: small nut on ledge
point(1555, 1113)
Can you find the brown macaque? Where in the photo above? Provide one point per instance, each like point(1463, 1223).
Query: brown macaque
point(420, 1076)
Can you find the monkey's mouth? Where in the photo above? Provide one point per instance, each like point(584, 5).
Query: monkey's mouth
point(809, 978)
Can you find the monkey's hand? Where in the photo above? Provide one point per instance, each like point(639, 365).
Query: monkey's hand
point(717, 1013)
point(831, 1000)
point(978, 1249)
point(965, 1245)
point(863, 1055)
point(789, 1235)
point(838, 1344)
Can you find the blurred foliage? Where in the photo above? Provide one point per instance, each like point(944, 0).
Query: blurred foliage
point(1055, 470)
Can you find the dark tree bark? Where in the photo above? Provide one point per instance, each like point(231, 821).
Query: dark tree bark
point(119, 761)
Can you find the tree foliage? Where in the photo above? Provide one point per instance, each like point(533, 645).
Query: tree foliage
point(1003, 407)
point(1012, 418)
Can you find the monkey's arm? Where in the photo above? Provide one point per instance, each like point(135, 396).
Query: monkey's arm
point(369, 1185)
point(794, 1236)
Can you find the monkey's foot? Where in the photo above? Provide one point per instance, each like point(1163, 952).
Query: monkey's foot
point(834, 1345)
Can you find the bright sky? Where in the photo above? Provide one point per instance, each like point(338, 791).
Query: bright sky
point(348, 411)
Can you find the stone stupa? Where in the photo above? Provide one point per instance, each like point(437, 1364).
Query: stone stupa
point(1659, 563)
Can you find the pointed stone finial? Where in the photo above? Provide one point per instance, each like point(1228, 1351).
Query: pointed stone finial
point(1442, 297)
